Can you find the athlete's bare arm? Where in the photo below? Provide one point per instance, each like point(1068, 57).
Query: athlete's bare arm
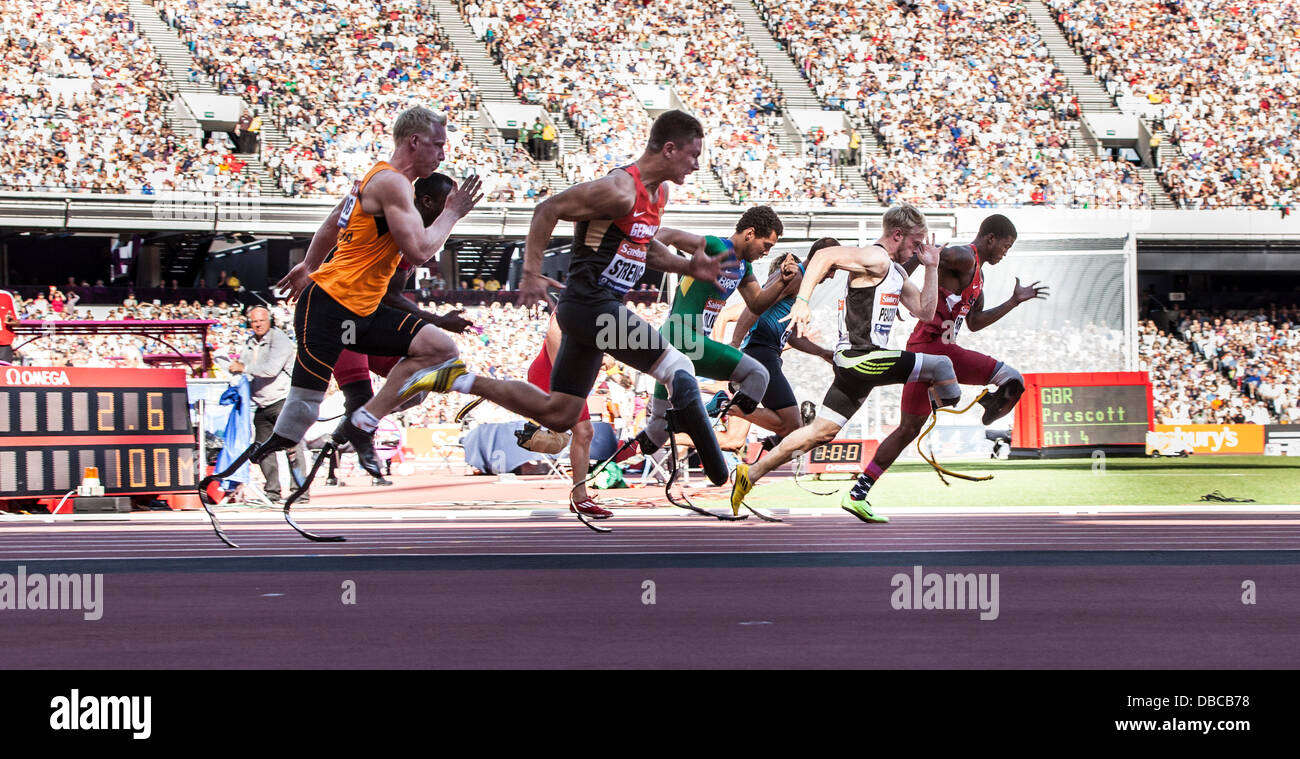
point(322, 243)
point(680, 239)
point(745, 321)
point(956, 267)
point(802, 343)
point(866, 266)
point(727, 316)
point(790, 288)
point(923, 303)
point(760, 299)
point(611, 197)
point(393, 298)
point(696, 247)
point(978, 318)
point(391, 195)
point(700, 265)
point(326, 237)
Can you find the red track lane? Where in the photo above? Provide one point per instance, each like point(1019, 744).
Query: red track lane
point(1113, 590)
point(431, 536)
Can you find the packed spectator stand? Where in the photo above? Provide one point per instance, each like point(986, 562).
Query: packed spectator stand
point(333, 82)
point(962, 95)
point(1234, 367)
point(502, 333)
point(1221, 76)
point(583, 60)
point(84, 107)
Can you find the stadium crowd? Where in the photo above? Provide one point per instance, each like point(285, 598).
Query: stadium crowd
point(332, 82)
point(83, 107)
point(1256, 355)
point(123, 350)
point(503, 342)
point(561, 64)
point(964, 98)
point(584, 61)
point(1220, 75)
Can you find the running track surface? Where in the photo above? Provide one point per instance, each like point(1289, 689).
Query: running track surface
point(1114, 590)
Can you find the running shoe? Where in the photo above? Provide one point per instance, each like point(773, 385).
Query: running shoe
point(588, 507)
point(363, 443)
point(468, 407)
point(435, 379)
point(995, 405)
point(717, 403)
point(861, 509)
point(740, 488)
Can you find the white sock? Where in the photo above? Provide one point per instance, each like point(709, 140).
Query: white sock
point(364, 420)
point(463, 383)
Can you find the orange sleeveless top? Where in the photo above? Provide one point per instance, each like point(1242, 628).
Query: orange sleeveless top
point(357, 271)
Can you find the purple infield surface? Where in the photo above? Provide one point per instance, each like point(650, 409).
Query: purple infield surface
point(1030, 591)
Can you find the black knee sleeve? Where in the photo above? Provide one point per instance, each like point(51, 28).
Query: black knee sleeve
point(355, 395)
point(744, 403)
point(687, 415)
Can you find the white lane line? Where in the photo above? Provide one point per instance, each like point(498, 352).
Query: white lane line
point(636, 553)
point(670, 549)
point(353, 513)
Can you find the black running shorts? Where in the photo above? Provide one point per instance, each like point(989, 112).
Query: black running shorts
point(857, 372)
point(324, 328)
point(591, 330)
point(779, 394)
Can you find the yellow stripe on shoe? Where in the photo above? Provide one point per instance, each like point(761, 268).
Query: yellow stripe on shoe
point(435, 379)
point(740, 488)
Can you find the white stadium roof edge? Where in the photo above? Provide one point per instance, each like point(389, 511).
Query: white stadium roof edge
point(84, 212)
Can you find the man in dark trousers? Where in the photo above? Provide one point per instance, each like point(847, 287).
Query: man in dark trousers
point(243, 137)
point(8, 320)
point(535, 138)
point(267, 359)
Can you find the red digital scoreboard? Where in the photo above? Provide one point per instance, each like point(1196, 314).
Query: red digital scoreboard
point(133, 424)
point(1072, 413)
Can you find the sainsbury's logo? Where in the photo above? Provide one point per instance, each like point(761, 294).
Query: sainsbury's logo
point(1214, 440)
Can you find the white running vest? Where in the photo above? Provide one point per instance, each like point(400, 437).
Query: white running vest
point(867, 314)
